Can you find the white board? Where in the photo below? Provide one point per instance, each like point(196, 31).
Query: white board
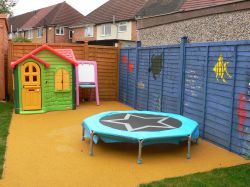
point(86, 73)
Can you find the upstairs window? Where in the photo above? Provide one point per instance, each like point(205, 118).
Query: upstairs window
point(30, 34)
point(59, 30)
point(122, 27)
point(71, 32)
point(39, 32)
point(106, 30)
point(62, 80)
point(89, 31)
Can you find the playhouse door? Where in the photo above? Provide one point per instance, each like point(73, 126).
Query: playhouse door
point(31, 86)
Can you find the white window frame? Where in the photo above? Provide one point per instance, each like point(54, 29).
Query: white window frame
point(89, 31)
point(39, 32)
point(104, 29)
point(122, 24)
point(71, 31)
point(30, 34)
point(61, 31)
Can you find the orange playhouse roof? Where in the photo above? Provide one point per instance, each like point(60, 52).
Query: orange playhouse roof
point(66, 54)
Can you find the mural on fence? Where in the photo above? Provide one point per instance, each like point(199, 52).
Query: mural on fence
point(220, 69)
point(187, 79)
point(242, 112)
point(156, 65)
point(130, 67)
point(124, 59)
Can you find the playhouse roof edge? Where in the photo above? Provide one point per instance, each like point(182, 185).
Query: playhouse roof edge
point(44, 46)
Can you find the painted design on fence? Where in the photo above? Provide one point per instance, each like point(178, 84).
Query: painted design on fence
point(140, 85)
point(220, 69)
point(242, 112)
point(156, 65)
point(130, 67)
point(124, 59)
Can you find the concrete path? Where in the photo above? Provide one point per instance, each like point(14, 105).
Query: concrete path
point(45, 150)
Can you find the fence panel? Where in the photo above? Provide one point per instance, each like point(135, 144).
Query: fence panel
point(171, 79)
point(207, 82)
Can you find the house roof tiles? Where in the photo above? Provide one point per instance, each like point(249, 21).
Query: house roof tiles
point(60, 14)
point(160, 7)
point(114, 9)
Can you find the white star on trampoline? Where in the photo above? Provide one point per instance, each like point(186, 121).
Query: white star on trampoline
point(130, 128)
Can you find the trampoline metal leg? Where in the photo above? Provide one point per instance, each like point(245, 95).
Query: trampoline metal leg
point(83, 134)
point(189, 145)
point(139, 160)
point(91, 143)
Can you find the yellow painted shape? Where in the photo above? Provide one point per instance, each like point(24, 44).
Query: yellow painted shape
point(31, 86)
point(62, 80)
point(220, 69)
point(45, 150)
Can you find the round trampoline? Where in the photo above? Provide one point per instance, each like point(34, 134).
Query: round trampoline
point(142, 127)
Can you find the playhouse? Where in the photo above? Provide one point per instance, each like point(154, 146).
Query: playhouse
point(44, 80)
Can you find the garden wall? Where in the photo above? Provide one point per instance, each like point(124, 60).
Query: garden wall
point(207, 82)
point(106, 57)
point(3, 54)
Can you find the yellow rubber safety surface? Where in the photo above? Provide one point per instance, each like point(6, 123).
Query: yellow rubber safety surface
point(45, 150)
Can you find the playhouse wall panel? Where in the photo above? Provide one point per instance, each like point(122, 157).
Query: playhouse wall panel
point(52, 99)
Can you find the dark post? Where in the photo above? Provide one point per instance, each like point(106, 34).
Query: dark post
point(138, 44)
point(184, 40)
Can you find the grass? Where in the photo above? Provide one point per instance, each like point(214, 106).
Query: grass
point(237, 176)
point(5, 117)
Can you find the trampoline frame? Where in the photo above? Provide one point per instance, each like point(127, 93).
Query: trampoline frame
point(140, 144)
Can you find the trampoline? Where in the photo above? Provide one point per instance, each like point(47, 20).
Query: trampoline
point(142, 127)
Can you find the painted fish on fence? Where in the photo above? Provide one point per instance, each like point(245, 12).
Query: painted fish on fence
point(156, 65)
point(220, 69)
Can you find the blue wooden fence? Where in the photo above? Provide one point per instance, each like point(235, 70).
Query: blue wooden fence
point(207, 82)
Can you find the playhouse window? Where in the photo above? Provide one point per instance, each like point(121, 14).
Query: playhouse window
point(62, 81)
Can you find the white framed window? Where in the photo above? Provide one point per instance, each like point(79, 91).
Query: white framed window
point(59, 30)
point(122, 27)
point(30, 34)
point(89, 31)
point(106, 30)
point(39, 32)
point(71, 32)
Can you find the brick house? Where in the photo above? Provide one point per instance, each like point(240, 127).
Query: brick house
point(166, 21)
point(3, 54)
point(113, 22)
point(46, 25)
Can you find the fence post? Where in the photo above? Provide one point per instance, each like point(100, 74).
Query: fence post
point(233, 98)
point(86, 51)
point(138, 44)
point(184, 40)
point(205, 92)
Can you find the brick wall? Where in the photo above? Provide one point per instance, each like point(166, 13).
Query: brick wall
point(3, 54)
point(218, 27)
point(79, 35)
point(52, 37)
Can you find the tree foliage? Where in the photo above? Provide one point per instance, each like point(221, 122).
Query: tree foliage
point(21, 39)
point(6, 6)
